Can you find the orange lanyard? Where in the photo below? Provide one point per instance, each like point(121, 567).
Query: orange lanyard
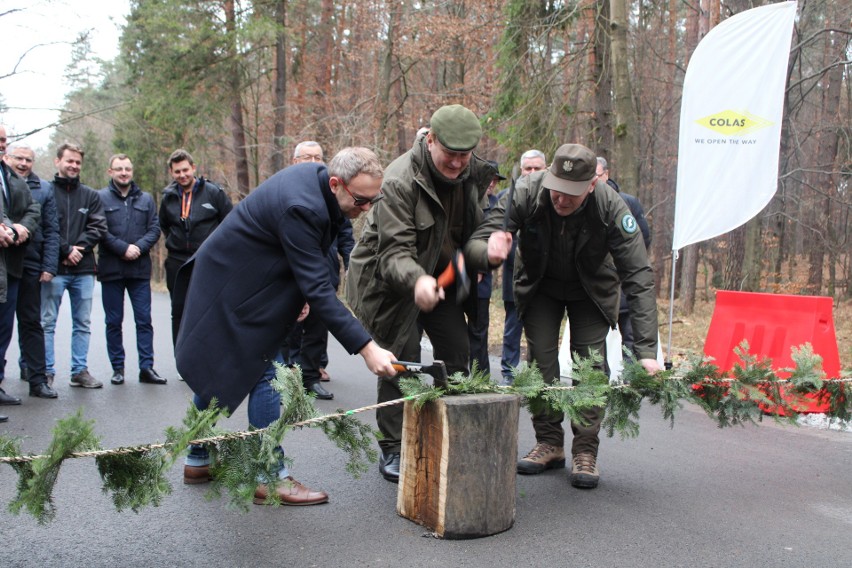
point(186, 204)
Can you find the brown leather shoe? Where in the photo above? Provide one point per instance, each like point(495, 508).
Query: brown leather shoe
point(195, 474)
point(291, 492)
point(324, 376)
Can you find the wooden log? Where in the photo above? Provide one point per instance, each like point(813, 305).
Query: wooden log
point(459, 455)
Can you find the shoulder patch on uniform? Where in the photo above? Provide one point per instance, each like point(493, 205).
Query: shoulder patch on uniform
point(629, 224)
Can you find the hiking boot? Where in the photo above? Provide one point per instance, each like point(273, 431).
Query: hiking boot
point(540, 458)
point(584, 471)
point(85, 380)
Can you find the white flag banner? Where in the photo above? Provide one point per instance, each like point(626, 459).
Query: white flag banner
point(730, 123)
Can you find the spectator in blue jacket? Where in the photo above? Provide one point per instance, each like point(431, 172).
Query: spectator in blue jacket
point(124, 264)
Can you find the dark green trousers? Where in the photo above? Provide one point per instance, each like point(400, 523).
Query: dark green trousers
point(446, 327)
point(542, 322)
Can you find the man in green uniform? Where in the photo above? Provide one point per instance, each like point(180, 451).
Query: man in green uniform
point(433, 203)
point(578, 244)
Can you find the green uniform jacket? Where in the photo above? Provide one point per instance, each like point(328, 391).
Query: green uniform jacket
point(609, 251)
point(401, 241)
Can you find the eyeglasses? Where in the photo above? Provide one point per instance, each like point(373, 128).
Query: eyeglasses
point(361, 201)
point(309, 158)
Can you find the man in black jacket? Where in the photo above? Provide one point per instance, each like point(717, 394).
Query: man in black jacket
point(81, 227)
point(41, 262)
point(20, 218)
point(191, 208)
point(124, 263)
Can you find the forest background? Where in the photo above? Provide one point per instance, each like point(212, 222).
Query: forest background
point(239, 83)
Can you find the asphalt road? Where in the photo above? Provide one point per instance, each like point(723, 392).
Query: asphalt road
point(694, 495)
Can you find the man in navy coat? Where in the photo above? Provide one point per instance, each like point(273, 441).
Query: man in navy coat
point(249, 281)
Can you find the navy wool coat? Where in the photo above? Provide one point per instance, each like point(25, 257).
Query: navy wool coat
point(249, 280)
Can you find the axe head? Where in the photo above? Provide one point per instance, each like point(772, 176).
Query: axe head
point(437, 370)
point(455, 272)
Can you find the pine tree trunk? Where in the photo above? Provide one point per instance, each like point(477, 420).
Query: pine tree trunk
point(238, 131)
point(279, 109)
point(688, 276)
point(626, 125)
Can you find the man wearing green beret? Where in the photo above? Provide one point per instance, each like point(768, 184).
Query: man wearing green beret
point(433, 197)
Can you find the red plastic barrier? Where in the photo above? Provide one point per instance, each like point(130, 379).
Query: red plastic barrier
point(773, 324)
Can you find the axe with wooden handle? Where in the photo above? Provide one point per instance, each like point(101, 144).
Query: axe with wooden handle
point(437, 370)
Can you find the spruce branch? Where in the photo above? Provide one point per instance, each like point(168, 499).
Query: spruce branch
point(10, 447)
point(840, 401)
point(198, 424)
point(412, 386)
point(807, 376)
point(135, 479)
point(72, 434)
point(478, 381)
point(356, 439)
point(591, 386)
point(238, 465)
point(296, 403)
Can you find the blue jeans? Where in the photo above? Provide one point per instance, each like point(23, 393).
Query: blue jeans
point(80, 290)
point(264, 408)
point(511, 341)
point(112, 295)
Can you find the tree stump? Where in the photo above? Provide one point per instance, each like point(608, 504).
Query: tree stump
point(459, 455)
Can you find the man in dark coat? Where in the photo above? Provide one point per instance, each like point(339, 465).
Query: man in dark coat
point(41, 263)
point(251, 278)
point(20, 218)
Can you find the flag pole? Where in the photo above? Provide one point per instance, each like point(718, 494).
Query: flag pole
point(668, 359)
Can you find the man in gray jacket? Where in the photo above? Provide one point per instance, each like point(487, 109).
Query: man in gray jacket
point(578, 245)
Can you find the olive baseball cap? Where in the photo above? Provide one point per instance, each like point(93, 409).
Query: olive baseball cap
point(456, 127)
point(573, 168)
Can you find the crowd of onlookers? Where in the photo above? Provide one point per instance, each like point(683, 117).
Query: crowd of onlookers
point(575, 241)
point(49, 234)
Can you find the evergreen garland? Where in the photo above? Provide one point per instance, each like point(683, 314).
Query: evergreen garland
point(136, 476)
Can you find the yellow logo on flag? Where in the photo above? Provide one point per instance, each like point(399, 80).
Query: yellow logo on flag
point(733, 122)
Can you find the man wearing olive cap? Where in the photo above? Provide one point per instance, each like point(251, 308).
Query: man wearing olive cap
point(578, 245)
point(433, 196)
